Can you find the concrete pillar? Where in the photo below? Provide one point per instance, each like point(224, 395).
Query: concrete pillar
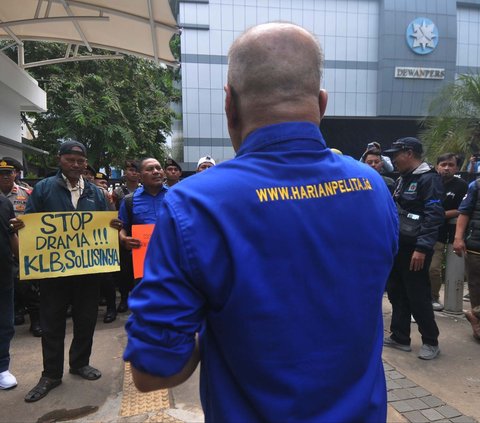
point(454, 278)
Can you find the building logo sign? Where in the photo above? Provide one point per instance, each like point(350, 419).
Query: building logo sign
point(419, 73)
point(422, 36)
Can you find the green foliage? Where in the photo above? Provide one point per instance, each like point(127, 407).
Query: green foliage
point(117, 108)
point(453, 122)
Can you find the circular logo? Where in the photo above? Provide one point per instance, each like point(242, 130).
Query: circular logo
point(422, 36)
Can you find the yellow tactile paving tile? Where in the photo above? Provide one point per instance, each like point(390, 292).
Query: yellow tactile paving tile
point(163, 417)
point(135, 402)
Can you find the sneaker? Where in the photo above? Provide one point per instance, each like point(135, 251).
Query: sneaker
point(428, 352)
point(437, 306)
point(7, 380)
point(466, 297)
point(389, 342)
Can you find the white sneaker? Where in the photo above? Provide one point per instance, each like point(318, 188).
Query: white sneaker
point(437, 306)
point(7, 380)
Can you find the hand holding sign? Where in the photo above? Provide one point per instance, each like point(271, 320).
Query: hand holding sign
point(16, 224)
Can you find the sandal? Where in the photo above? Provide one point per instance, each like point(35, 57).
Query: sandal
point(43, 387)
point(87, 372)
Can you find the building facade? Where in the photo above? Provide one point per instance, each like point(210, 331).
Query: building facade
point(384, 61)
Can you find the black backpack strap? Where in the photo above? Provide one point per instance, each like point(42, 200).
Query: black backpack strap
point(128, 199)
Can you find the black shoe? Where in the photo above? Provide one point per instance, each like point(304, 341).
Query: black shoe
point(110, 316)
point(36, 328)
point(43, 387)
point(19, 319)
point(87, 372)
point(123, 306)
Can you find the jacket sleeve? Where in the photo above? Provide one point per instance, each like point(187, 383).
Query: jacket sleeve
point(434, 214)
point(34, 202)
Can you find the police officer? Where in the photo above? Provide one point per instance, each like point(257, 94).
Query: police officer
point(173, 172)
point(418, 194)
point(8, 247)
point(18, 172)
point(26, 293)
point(467, 243)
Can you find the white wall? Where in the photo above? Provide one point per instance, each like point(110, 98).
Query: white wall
point(18, 92)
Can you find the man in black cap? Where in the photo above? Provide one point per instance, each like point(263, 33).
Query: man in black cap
point(173, 172)
point(89, 173)
point(418, 195)
point(66, 191)
point(131, 176)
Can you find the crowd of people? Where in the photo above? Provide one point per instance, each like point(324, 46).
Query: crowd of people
point(76, 186)
point(246, 269)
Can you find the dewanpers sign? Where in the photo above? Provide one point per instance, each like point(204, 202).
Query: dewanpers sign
point(419, 73)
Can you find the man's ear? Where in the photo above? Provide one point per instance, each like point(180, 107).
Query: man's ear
point(322, 102)
point(230, 107)
point(233, 117)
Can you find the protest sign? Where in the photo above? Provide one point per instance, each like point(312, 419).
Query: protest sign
point(58, 244)
point(143, 233)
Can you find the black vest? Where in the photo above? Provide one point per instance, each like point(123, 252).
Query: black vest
point(472, 239)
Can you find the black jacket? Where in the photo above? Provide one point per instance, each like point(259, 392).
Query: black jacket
point(52, 194)
point(421, 192)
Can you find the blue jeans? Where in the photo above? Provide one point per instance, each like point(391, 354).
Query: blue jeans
point(6, 315)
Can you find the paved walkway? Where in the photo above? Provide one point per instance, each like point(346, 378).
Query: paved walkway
point(443, 390)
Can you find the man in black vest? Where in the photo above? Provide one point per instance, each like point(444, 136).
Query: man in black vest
point(455, 189)
point(468, 226)
point(418, 194)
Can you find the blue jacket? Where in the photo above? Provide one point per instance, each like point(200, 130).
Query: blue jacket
point(279, 258)
point(144, 208)
point(52, 194)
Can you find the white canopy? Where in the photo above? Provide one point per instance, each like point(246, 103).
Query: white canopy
point(138, 27)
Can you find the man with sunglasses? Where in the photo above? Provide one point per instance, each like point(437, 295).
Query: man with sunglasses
point(418, 195)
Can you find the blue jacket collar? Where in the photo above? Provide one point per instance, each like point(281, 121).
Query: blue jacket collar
point(273, 135)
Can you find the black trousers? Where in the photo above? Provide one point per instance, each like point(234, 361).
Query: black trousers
point(26, 294)
point(410, 294)
point(83, 293)
point(125, 279)
point(108, 290)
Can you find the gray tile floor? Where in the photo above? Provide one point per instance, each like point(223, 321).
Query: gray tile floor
point(416, 404)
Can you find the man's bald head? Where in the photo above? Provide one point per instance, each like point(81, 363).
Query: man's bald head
point(275, 62)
